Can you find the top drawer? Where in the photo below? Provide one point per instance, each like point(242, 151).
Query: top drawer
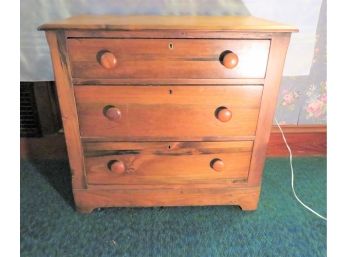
point(167, 58)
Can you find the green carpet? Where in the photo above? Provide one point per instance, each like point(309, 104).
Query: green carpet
point(280, 227)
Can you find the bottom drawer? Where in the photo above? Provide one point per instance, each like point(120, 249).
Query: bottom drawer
point(116, 163)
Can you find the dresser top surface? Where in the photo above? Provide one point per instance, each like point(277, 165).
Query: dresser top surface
point(134, 23)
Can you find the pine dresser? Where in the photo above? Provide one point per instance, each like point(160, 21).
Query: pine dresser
point(165, 110)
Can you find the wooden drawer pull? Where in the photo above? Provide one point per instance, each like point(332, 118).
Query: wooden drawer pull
point(116, 166)
point(107, 59)
point(223, 114)
point(217, 164)
point(112, 113)
point(229, 59)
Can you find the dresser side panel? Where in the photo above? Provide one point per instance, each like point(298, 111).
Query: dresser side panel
point(57, 44)
point(279, 46)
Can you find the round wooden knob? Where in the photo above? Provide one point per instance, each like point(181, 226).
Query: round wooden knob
point(107, 60)
point(217, 164)
point(116, 166)
point(230, 60)
point(223, 114)
point(112, 113)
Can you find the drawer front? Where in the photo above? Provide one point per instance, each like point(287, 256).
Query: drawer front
point(167, 58)
point(167, 112)
point(111, 163)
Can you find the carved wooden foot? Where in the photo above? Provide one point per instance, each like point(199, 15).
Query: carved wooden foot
point(84, 209)
point(249, 205)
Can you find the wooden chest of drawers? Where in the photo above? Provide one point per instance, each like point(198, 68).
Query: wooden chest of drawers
point(167, 111)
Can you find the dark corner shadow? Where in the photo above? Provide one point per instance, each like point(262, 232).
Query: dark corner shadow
point(57, 174)
point(48, 156)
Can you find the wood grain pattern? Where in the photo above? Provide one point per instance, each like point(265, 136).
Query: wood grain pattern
point(166, 138)
point(67, 104)
point(108, 22)
point(168, 111)
point(167, 162)
point(153, 58)
point(304, 140)
point(279, 46)
point(301, 143)
point(174, 33)
point(300, 129)
point(247, 197)
point(164, 81)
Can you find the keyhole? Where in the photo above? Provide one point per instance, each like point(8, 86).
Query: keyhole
point(170, 91)
point(169, 147)
point(171, 46)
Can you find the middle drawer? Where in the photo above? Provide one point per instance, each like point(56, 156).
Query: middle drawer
point(185, 112)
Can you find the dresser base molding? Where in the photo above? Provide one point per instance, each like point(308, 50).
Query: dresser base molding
point(88, 200)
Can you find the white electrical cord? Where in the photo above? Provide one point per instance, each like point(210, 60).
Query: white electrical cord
point(292, 175)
